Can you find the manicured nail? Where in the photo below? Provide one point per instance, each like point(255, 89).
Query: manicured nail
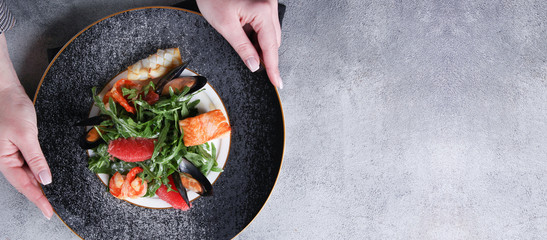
point(252, 64)
point(48, 218)
point(45, 177)
point(279, 83)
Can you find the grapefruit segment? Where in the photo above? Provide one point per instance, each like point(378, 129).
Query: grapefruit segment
point(132, 149)
point(173, 197)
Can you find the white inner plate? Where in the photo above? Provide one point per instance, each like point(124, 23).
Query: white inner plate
point(209, 100)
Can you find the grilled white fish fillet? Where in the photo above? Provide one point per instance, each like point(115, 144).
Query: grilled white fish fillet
point(155, 65)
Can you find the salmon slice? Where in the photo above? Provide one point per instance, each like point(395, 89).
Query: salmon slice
point(205, 127)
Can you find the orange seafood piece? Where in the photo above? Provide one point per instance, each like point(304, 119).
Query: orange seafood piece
point(106, 97)
point(117, 95)
point(155, 65)
point(205, 127)
point(92, 135)
point(134, 187)
point(178, 85)
point(116, 183)
point(190, 183)
point(130, 186)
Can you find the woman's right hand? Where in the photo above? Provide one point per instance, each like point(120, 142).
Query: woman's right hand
point(21, 159)
point(229, 17)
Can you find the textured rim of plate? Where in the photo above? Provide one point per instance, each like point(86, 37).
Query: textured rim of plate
point(162, 7)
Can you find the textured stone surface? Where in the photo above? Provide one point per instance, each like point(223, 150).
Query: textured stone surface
point(405, 120)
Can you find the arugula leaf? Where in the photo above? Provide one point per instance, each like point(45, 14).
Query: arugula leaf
point(100, 163)
point(122, 167)
point(149, 86)
point(129, 93)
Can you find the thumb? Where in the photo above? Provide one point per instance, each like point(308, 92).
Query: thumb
point(235, 35)
point(27, 142)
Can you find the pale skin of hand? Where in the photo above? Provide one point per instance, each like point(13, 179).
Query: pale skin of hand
point(21, 159)
point(229, 16)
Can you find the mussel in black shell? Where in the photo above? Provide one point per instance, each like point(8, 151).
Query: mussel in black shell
point(191, 178)
point(193, 82)
point(92, 121)
point(90, 139)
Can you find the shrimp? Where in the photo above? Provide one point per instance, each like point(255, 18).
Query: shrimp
point(130, 186)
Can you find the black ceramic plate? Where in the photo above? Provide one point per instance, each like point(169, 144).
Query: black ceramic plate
point(106, 48)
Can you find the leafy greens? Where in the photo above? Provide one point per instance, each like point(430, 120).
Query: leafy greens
point(159, 121)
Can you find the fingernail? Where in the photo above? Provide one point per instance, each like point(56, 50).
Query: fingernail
point(252, 64)
point(280, 83)
point(48, 218)
point(45, 177)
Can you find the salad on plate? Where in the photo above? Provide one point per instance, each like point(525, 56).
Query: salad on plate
point(149, 140)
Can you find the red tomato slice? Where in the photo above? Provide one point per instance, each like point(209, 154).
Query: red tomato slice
point(151, 97)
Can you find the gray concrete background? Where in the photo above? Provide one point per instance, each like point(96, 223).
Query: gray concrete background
point(404, 119)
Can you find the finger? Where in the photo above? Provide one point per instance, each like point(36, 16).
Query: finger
point(8, 154)
point(266, 38)
point(22, 179)
point(234, 34)
point(276, 23)
point(251, 34)
point(31, 176)
point(26, 139)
